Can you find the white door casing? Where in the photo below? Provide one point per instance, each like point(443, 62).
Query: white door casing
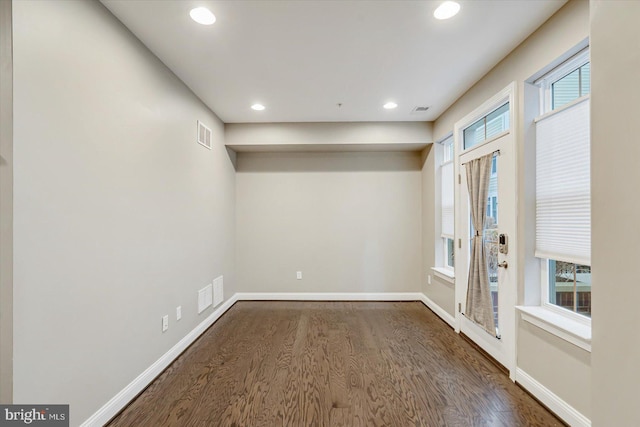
point(502, 349)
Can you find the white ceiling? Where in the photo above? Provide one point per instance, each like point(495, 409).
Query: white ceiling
point(302, 58)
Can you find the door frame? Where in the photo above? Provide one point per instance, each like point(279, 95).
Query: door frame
point(505, 350)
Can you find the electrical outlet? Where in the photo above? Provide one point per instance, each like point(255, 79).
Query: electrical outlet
point(179, 312)
point(299, 275)
point(428, 279)
point(165, 322)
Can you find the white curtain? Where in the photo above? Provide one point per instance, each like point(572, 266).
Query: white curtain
point(479, 307)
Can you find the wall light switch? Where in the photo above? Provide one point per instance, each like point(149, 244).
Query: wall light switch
point(179, 312)
point(165, 322)
point(299, 275)
point(428, 279)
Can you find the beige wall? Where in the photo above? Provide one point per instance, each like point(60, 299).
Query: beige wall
point(441, 293)
point(120, 216)
point(559, 365)
point(563, 32)
point(6, 205)
point(615, 240)
point(349, 221)
point(344, 133)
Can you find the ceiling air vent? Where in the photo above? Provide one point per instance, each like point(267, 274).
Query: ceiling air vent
point(204, 135)
point(418, 110)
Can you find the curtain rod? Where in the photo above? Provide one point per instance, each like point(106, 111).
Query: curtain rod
point(497, 152)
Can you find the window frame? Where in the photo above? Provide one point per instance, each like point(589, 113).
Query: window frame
point(445, 247)
point(487, 139)
point(544, 297)
point(545, 84)
point(446, 157)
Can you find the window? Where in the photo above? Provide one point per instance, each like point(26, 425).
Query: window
point(487, 127)
point(570, 286)
point(492, 198)
point(446, 198)
point(566, 83)
point(449, 254)
point(447, 153)
point(563, 198)
point(571, 87)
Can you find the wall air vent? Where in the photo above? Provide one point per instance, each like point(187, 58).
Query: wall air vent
point(204, 135)
point(419, 109)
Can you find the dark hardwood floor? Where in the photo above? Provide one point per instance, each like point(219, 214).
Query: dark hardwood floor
point(332, 364)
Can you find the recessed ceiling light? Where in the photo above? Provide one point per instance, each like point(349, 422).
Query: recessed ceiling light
point(390, 105)
point(446, 10)
point(258, 107)
point(202, 15)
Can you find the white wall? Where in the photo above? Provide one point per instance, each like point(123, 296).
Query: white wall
point(120, 216)
point(350, 221)
point(615, 235)
point(562, 32)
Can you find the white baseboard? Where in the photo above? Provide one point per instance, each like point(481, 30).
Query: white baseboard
point(329, 296)
point(439, 311)
point(562, 409)
point(122, 399)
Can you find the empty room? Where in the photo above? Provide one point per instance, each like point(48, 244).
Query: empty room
point(319, 213)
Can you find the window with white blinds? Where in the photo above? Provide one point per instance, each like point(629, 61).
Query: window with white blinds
point(563, 196)
point(447, 200)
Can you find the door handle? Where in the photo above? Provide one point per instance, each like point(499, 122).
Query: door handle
point(503, 264)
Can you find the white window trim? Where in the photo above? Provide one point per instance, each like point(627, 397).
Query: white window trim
point(545, 82)
point(445, 274)
point(559, 325)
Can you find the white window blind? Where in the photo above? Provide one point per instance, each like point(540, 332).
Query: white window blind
point(563, 196)
point(447, 200)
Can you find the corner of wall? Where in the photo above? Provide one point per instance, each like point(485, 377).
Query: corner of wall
point(6, 203)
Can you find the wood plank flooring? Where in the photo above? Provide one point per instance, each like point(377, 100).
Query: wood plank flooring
point(332, 364)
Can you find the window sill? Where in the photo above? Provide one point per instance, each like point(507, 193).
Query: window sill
point(444, 274)
point(573, 331)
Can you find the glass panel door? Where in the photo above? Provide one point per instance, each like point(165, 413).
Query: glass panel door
point(500, 225)
point(491, 238)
